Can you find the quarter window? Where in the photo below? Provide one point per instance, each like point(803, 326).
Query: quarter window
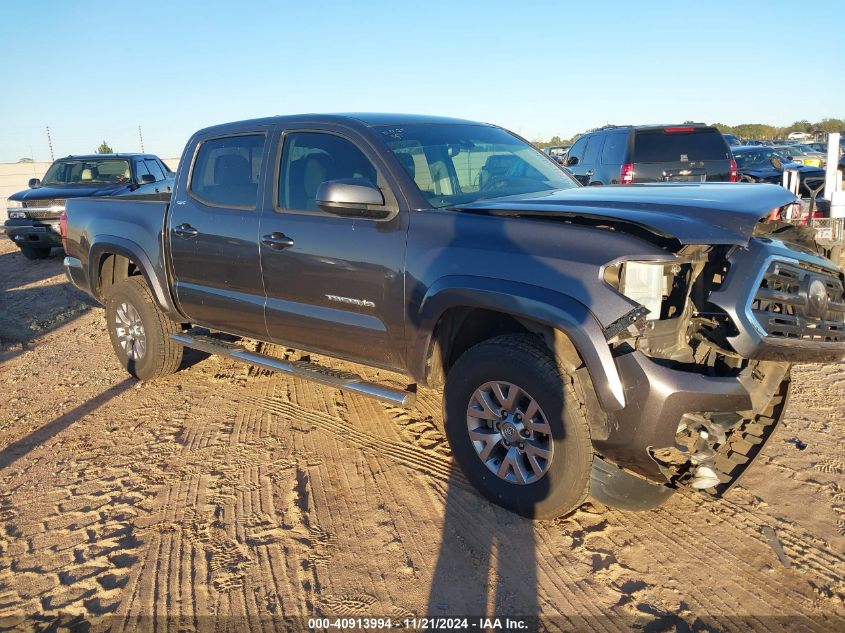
point(310, 159)
point(226, 171)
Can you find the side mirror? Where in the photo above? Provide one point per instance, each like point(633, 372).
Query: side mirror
point(147, 179)
point(573, 160)
point(34, 183)
point(352, 197)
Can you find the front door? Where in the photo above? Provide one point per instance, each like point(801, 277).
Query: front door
point(213, 236)
point(333, 283)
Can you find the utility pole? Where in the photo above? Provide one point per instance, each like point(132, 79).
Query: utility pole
point(141, 137)
point(50, 144)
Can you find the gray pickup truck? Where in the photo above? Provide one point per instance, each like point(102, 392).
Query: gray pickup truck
point(621, 342)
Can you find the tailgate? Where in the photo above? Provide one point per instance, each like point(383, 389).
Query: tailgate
point(681, 154)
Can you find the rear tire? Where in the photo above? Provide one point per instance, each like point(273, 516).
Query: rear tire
point(140, 331)
point(535, 458)
point(31, 252)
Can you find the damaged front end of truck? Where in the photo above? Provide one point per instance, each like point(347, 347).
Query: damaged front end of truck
point(707, 368)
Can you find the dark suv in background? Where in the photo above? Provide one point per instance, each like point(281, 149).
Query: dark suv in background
point(651, 153)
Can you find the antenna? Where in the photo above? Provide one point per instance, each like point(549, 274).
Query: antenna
point(50, 143)
point(141, 137)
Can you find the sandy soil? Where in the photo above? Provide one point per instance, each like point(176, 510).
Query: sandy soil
point(228, 498)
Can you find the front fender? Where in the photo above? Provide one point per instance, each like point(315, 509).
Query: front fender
point(522, 300)
point(156, 279)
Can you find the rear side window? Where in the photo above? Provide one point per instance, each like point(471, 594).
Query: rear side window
point(226, 171)
point(615, 145)
point(660, 146)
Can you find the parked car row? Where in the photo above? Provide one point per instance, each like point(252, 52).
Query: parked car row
point(33, 214)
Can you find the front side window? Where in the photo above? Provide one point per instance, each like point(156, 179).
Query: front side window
point(311, 158)
point(577, 150)
point(154, 168)
point(226, 171)
point(140, 170)
point(456, 164)
point(89, 171)
point(592, 151)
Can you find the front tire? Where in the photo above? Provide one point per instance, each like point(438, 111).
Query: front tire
point(516, 427)
point(31, 252)
point(140, 331)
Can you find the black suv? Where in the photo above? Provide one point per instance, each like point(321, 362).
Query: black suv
point(651, 153)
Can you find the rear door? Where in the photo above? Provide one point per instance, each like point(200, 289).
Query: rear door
point(338, 284)
point(681, 154)
point(213, 235)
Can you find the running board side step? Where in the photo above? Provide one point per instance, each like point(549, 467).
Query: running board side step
point(345, 381)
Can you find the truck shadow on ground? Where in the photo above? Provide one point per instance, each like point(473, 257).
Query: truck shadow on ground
point(30, 308)
point(23, 446)
point(487, 565)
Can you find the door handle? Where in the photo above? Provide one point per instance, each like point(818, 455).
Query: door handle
point(185, 231)
point(277, 241)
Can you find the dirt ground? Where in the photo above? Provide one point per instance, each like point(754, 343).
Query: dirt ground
point(233, 499)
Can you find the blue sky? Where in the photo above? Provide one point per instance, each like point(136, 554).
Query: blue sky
point(95, 70)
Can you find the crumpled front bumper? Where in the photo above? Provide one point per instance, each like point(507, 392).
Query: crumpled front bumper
point(657, 397)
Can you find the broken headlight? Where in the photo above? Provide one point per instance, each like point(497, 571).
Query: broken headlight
point(647, 283)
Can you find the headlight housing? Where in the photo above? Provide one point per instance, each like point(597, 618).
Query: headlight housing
point(647, 283)
point(14, 210)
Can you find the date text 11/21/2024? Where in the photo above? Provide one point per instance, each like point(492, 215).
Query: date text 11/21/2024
point(422, 623)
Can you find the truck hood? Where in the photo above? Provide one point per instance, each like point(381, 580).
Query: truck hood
point(50, 192)
point(692, 213)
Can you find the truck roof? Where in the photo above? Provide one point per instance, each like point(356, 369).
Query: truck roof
point(354, 119)
point(116, 155)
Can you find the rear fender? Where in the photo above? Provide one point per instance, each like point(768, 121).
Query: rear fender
point(156, 279)
point(525, 302)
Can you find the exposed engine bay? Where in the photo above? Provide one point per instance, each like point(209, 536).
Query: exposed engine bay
point(733, 312)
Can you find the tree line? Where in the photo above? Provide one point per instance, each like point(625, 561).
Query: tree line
point(752, 131)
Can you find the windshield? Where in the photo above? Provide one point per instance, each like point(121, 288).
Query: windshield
point(758, 158)
point(84, 171)
point(459, 164)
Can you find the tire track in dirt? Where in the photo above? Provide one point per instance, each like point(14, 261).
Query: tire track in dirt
point(685, 543)
point(74, 558)
point(432, 464)
point(237, 525)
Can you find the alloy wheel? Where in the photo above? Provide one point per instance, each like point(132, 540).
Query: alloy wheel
point(510, 432)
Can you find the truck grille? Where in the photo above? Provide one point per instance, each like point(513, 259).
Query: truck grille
point(800, 302)
point(44, 209)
